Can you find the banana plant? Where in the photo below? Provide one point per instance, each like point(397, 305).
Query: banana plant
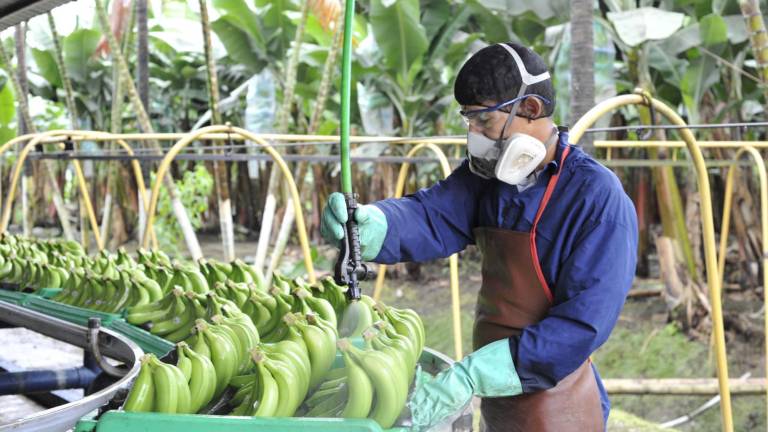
point(7, 109)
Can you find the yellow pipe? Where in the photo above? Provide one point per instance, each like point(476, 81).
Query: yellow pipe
point(763, 179)
point(16, 140)
point(713, 280)
point(6, 216)
point(178, 146)
point(88, 204)
point(453, 260)
point(609, 144)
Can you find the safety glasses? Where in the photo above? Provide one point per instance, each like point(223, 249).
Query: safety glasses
point(483, 116)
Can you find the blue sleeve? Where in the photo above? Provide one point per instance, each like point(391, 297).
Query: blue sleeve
point(434, 222)
point(596, 277)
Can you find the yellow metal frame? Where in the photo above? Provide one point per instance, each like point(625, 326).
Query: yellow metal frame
point(80, 178)
point(609, 144)
point(453, 260)
point(37, 139)
point(727, 205)
point(708, 229)
point(235, 131)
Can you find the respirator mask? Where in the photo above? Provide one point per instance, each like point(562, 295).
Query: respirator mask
point(513, 159)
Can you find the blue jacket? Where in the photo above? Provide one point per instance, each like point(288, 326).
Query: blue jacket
point(586, 242)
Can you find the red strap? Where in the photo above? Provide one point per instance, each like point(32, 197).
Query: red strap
point(544, 201)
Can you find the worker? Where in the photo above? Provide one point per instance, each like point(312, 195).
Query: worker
point(558, 239)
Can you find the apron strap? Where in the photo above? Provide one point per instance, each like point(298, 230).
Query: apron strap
point(544, 201)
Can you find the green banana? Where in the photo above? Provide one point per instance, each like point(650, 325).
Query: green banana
point(183, 363)
point(357, 318)
point(200, 346)
point(184, 398)
point(166, 388)
point(360, 389)
point(321, 346)
point(223, 355)
point(141, 397)
point(266, 395)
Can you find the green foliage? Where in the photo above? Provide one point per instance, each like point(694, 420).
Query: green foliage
point(399, 33)
point(7, 109)
point(194, 188)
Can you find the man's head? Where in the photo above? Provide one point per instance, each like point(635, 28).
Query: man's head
point(491, 77)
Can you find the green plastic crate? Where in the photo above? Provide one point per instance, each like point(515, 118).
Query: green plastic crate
point(66, 312)
point(121, 421)
point(146, 340)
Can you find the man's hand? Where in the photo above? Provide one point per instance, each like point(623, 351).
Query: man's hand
point(488, 372)
point(371, 224)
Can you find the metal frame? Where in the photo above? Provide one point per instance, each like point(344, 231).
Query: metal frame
point(763, 180)
point(708, 230)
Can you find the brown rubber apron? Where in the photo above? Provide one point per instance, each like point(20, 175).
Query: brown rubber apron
point(513, 295)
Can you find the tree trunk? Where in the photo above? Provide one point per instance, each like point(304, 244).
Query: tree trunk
point(142, 52)
point(21, 90)
point(220, 170)
point(582, 64)
point(758, 39)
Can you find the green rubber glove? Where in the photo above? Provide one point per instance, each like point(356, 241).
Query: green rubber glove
point(371, 224)
point(487, 372)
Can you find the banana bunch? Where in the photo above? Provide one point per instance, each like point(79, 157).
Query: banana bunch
point(278, 385)
point(162, 387)
point(383, 395)
point(327, 289)
point(236, 271)
point(374, 381)
point(199, 373)
point(128, 287)
point(222, 346)
point(238, 292)
point(189, 278)
point(153, 258)
point(306, 303)
point(36, 275)
point(33, 263)
point(173, 316)
point(11, 267)
point(320, 339)
point(405, 322)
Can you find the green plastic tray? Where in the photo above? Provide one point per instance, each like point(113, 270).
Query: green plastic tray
point(121, 421)
point(146, 340)
point(66, 312)
point(15, 297)
point(48, 293)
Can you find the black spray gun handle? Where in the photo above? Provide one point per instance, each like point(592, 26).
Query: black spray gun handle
point(349, 268)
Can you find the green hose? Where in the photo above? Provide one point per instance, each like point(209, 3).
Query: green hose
point(346, 89)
